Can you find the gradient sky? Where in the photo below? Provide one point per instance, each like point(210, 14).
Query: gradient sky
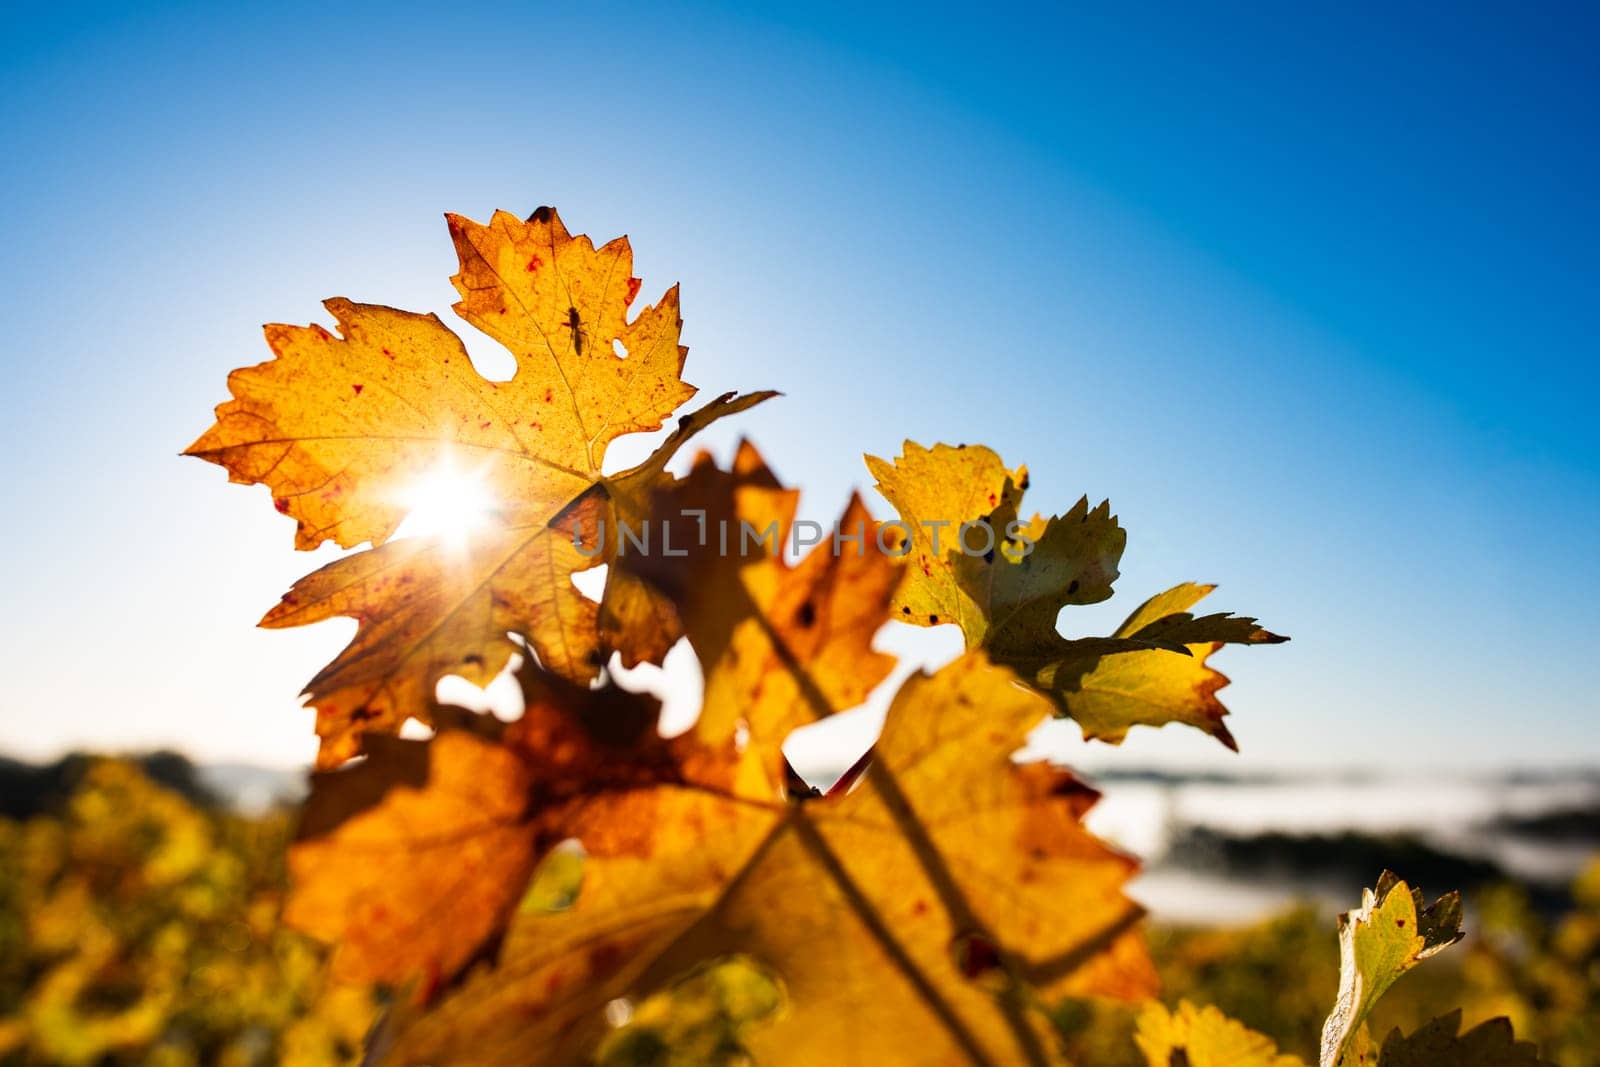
point(1312, 301)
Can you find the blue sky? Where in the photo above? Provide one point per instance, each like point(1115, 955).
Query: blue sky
point(1309, 299)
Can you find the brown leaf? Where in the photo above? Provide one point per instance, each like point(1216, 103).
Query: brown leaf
point(781, 644)
point(1489, 1044)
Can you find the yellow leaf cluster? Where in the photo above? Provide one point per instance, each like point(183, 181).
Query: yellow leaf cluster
point(573, 885)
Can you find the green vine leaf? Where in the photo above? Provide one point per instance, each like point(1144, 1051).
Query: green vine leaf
point(1387, 936)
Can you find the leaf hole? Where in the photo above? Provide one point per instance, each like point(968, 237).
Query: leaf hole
point(557, 881)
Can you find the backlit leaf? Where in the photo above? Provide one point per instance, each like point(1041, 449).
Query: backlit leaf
point(1204, 1037)
point(780, 644)
point(1109, 689)
point(1151, 671)
point(338, 426)
point(876, 909)
point(574, 887)
point(1380, 941)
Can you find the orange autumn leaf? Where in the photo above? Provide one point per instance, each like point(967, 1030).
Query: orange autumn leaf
point(338, 426)
point(371, 877)
point(411, 887)
point(411, 861)
point(876, 909)
point(695, 851)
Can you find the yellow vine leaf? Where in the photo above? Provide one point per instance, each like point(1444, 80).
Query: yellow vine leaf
point(1378, 942)
point(1151, 671)
point(1204, 1037)
point(339, 425)
point(1169, 680)
point(877, 909)
point(934, 491)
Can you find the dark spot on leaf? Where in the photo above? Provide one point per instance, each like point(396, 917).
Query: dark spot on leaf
point(472, 658)
point(905, 611)
point(976, 955)
point(988, 557)
point(808, 615)
point(357, 388)
point(1072, 587)
point(541, 213)
point(281, 504)
point(933, 620)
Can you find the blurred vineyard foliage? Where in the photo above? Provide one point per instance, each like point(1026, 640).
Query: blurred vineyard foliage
point(1278, 977)
point(139, 924)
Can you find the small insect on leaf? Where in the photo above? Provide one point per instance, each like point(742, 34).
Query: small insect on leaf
point(575, 324)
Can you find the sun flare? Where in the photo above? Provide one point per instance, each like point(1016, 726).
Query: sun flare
point(449, 504)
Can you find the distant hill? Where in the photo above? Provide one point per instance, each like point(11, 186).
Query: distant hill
point(28, 789)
